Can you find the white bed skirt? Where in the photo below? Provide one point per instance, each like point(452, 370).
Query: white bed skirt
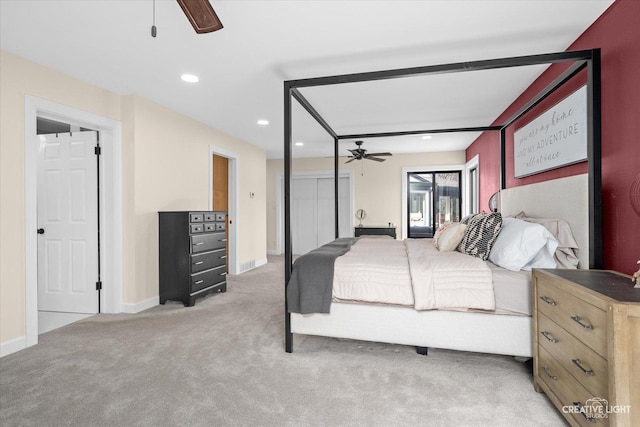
point(466, 331)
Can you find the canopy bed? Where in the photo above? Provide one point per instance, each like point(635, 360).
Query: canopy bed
point(576, 200)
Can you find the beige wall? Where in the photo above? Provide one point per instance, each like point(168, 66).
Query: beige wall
point(378, 191)
point(165, 165)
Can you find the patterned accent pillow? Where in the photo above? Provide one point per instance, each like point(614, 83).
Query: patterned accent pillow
point(482, 231)
point(436, 235)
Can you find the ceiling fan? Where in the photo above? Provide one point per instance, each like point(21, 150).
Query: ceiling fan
point(360, 153)
point(201, 15)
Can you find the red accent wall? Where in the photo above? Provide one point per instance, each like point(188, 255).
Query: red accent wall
point(617, 34)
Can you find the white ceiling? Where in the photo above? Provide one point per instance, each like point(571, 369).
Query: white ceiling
point(242, 67)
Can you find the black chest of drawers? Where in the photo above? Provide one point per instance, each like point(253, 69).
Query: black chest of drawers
point(193, 252)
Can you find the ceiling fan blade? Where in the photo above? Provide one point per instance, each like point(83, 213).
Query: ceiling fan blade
point(201, 15)
point(379, 154)
point(349, 161)
point(375, 158)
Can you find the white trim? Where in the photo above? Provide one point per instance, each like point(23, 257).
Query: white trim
point(110, 204)
point(234, 224)
point(474, 163)
point(405, 171)
point(12, 346)
point(140, 306)
point(272, 252)
point(280, 200)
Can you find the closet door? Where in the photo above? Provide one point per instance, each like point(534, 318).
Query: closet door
point(304, 215)
point(313, 212)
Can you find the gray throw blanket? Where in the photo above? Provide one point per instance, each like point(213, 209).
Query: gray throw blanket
point(311, 284)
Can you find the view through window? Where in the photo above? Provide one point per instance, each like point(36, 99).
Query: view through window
point(433, 199)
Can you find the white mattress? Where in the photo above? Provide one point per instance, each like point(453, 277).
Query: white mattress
point(383, 266)
point(512, 290)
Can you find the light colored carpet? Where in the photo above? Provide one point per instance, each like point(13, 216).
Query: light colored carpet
point(222, 363)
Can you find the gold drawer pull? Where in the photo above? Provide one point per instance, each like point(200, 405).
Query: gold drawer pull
point(582, 368)
point(581, 410)
point(223, 257)
point(547, 300)
point(199, 262)
point(549, 337)
point(584, 325)
point(199, 243)
point(546, 371)
point(198, 282)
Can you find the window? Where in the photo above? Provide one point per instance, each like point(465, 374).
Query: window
point(471, 186)
point(433, 199)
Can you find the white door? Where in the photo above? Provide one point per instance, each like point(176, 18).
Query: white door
point(67, 223)
point(303, 215)
point(313, 212)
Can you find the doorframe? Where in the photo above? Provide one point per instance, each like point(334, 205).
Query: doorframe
point(110, 204)
point(406, 170)
point(305, 174)
point(233, 187)
point(473, 163)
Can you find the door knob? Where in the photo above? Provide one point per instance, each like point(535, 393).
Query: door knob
point(40, 230)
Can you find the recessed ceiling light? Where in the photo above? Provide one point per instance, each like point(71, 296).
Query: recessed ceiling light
point(299, 143)
point(426, 137)
point(263, 122)
point(190, 78)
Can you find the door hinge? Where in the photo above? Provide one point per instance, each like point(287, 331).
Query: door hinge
point(98, 285)
point(97, 150)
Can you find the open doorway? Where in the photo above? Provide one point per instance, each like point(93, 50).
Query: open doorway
point(110, 204)
point(223, 196)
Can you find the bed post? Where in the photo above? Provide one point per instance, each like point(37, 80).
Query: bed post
point(594, 156)
point(336, 184)
point(288, 258)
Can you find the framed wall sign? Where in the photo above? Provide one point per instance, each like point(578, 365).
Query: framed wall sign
point(556, 138)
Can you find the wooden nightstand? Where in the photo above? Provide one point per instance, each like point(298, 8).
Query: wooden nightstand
point(587, 345)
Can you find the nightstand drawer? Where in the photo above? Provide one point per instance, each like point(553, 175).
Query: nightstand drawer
point(566, 389)
point(586, 366)
point(209, 217)
point(220, 216)
point(583, 320)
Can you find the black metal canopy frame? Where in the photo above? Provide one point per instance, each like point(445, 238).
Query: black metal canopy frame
point(589, 59)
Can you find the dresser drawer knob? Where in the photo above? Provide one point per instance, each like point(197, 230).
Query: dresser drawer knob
point(582, 368)
point(546, 371)
point(548, 337)
point(547, 300)
point(579, 322)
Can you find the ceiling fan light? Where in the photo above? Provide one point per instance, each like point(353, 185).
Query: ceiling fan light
point(201, 15)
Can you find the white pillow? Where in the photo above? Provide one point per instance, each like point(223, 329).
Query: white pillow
point(451, 237)
point(522, 246)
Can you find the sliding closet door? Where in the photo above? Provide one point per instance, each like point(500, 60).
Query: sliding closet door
point(313, 212)
point(303, 215)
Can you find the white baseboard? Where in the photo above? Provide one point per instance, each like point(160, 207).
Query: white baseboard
point(141, 306)
point(11, 346)
point(261, 262)
point(272, 252)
